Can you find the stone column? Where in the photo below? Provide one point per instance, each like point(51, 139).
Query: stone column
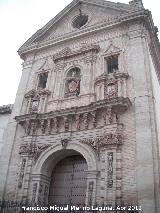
point(91, 188)
point(40, 189)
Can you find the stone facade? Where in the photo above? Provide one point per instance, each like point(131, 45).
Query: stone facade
point(68, 102)
point(5, 112)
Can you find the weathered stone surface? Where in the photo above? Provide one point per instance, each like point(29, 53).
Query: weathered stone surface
point(111, 121)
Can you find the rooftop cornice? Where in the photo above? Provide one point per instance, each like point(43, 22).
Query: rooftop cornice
point(141, 13)
point(154, 43)
point(6, 109)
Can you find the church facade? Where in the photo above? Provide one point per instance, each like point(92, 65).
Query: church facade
point(84, 126)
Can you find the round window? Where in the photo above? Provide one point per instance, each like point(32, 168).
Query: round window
point(80, 21)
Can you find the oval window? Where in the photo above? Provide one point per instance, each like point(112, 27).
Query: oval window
point(80, 21)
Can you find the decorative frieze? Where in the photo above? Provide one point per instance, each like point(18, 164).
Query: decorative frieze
point(74, 119)
point(32, 149)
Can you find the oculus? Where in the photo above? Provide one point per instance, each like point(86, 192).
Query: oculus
point(80, 21)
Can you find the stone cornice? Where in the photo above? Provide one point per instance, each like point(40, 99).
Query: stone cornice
point(154, 44)
point(118, 104)
point(40, 92)
point(117, 75)
point(6, 109)
point(78, 33)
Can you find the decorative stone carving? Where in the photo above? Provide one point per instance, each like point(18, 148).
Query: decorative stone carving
point(56, 124)
point(90, 192)
point(104, 118)
point(33, 127)
point(107, 111)
point(72, 82)
point(109, 115)
point(64, 143)
point(110, 170)
point(78, 122)
point(114, 84)
point(85, 120)
point(103, 141)
point(21, 173)
point(111, 88)
point(35, 103)
point(35, 99)
point(112, 49)
point(94, 120)
point(27, 127)
point(32, 149)
point(34, 192)
point(45, 197)
point(68, 53)
point(43, 126)
point(40, 193)
point(49, 125)
point(66, 123)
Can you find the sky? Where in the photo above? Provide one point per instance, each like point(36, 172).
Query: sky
point(19, 20)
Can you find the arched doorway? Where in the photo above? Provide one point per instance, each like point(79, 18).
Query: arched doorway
point(69, 181)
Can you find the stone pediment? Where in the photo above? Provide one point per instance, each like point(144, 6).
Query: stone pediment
point(97, 11)
point(112, 49)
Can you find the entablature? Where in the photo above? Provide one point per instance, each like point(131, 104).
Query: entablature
point(75, 119)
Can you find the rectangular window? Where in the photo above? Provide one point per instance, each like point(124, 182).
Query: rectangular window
point(42, 80)
point(112, 64)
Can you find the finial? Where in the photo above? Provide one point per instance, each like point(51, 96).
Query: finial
point(137, 3)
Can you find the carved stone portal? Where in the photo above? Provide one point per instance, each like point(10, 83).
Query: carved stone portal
point(32, 149)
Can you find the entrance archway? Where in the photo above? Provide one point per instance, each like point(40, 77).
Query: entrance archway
point(43, 170)
point(69, 181)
